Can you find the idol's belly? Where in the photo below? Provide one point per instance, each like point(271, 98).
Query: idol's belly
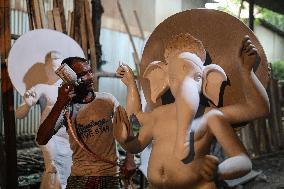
point(166, 171)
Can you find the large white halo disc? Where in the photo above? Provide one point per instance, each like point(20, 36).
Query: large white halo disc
point(27, 56)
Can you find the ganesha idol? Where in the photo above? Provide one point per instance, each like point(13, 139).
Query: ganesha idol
point(208, 71)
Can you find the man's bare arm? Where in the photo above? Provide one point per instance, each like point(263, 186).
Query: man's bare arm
point(46, 129)
point(122, 127)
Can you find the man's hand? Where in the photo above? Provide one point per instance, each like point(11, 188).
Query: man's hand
point(65, 94)
point(126, 74)
point(249, 54)
point(209, 167)
point(121, 125)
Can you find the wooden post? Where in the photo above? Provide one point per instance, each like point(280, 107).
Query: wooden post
point(8, 98)
point(57, 21)
point(59, 4)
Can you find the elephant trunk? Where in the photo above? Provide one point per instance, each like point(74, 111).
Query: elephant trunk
point(187, 102)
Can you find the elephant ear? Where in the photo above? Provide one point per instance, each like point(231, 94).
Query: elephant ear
point(213, 77)
point(157, 73)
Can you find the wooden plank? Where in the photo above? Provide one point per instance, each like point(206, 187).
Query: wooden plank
point(264, 135)
point(50, 20)
point(8, 99)
point(36, 9)
point(72, 25)
point(83, 32)
point(69, 22)
point(252, 138)
point(57, 21)
point(280, 113)
point(91, 41)
point(278, 126)
point(42, 14)
point(62, 15)
point(270, 135)
point(77, 15)
point(275, 113)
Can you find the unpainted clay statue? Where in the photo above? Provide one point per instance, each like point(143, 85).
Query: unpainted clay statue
point(182, 132)
point(57, 153)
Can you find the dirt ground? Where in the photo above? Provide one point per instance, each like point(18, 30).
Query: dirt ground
point(272, 176)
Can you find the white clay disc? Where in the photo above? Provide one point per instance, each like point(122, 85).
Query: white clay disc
point(27, 56)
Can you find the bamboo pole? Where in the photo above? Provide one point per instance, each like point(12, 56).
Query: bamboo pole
point(139, 25)
point(130, 37)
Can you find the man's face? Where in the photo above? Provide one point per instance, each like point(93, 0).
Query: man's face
point(85, 75)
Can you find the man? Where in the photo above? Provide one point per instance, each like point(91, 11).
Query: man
point(89, 118)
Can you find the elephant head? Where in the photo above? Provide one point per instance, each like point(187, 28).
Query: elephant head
point(185, 75)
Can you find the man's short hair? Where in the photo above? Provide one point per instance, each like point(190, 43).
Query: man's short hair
point(71, 60)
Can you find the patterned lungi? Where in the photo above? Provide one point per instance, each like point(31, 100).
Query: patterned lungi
point(93, 182)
